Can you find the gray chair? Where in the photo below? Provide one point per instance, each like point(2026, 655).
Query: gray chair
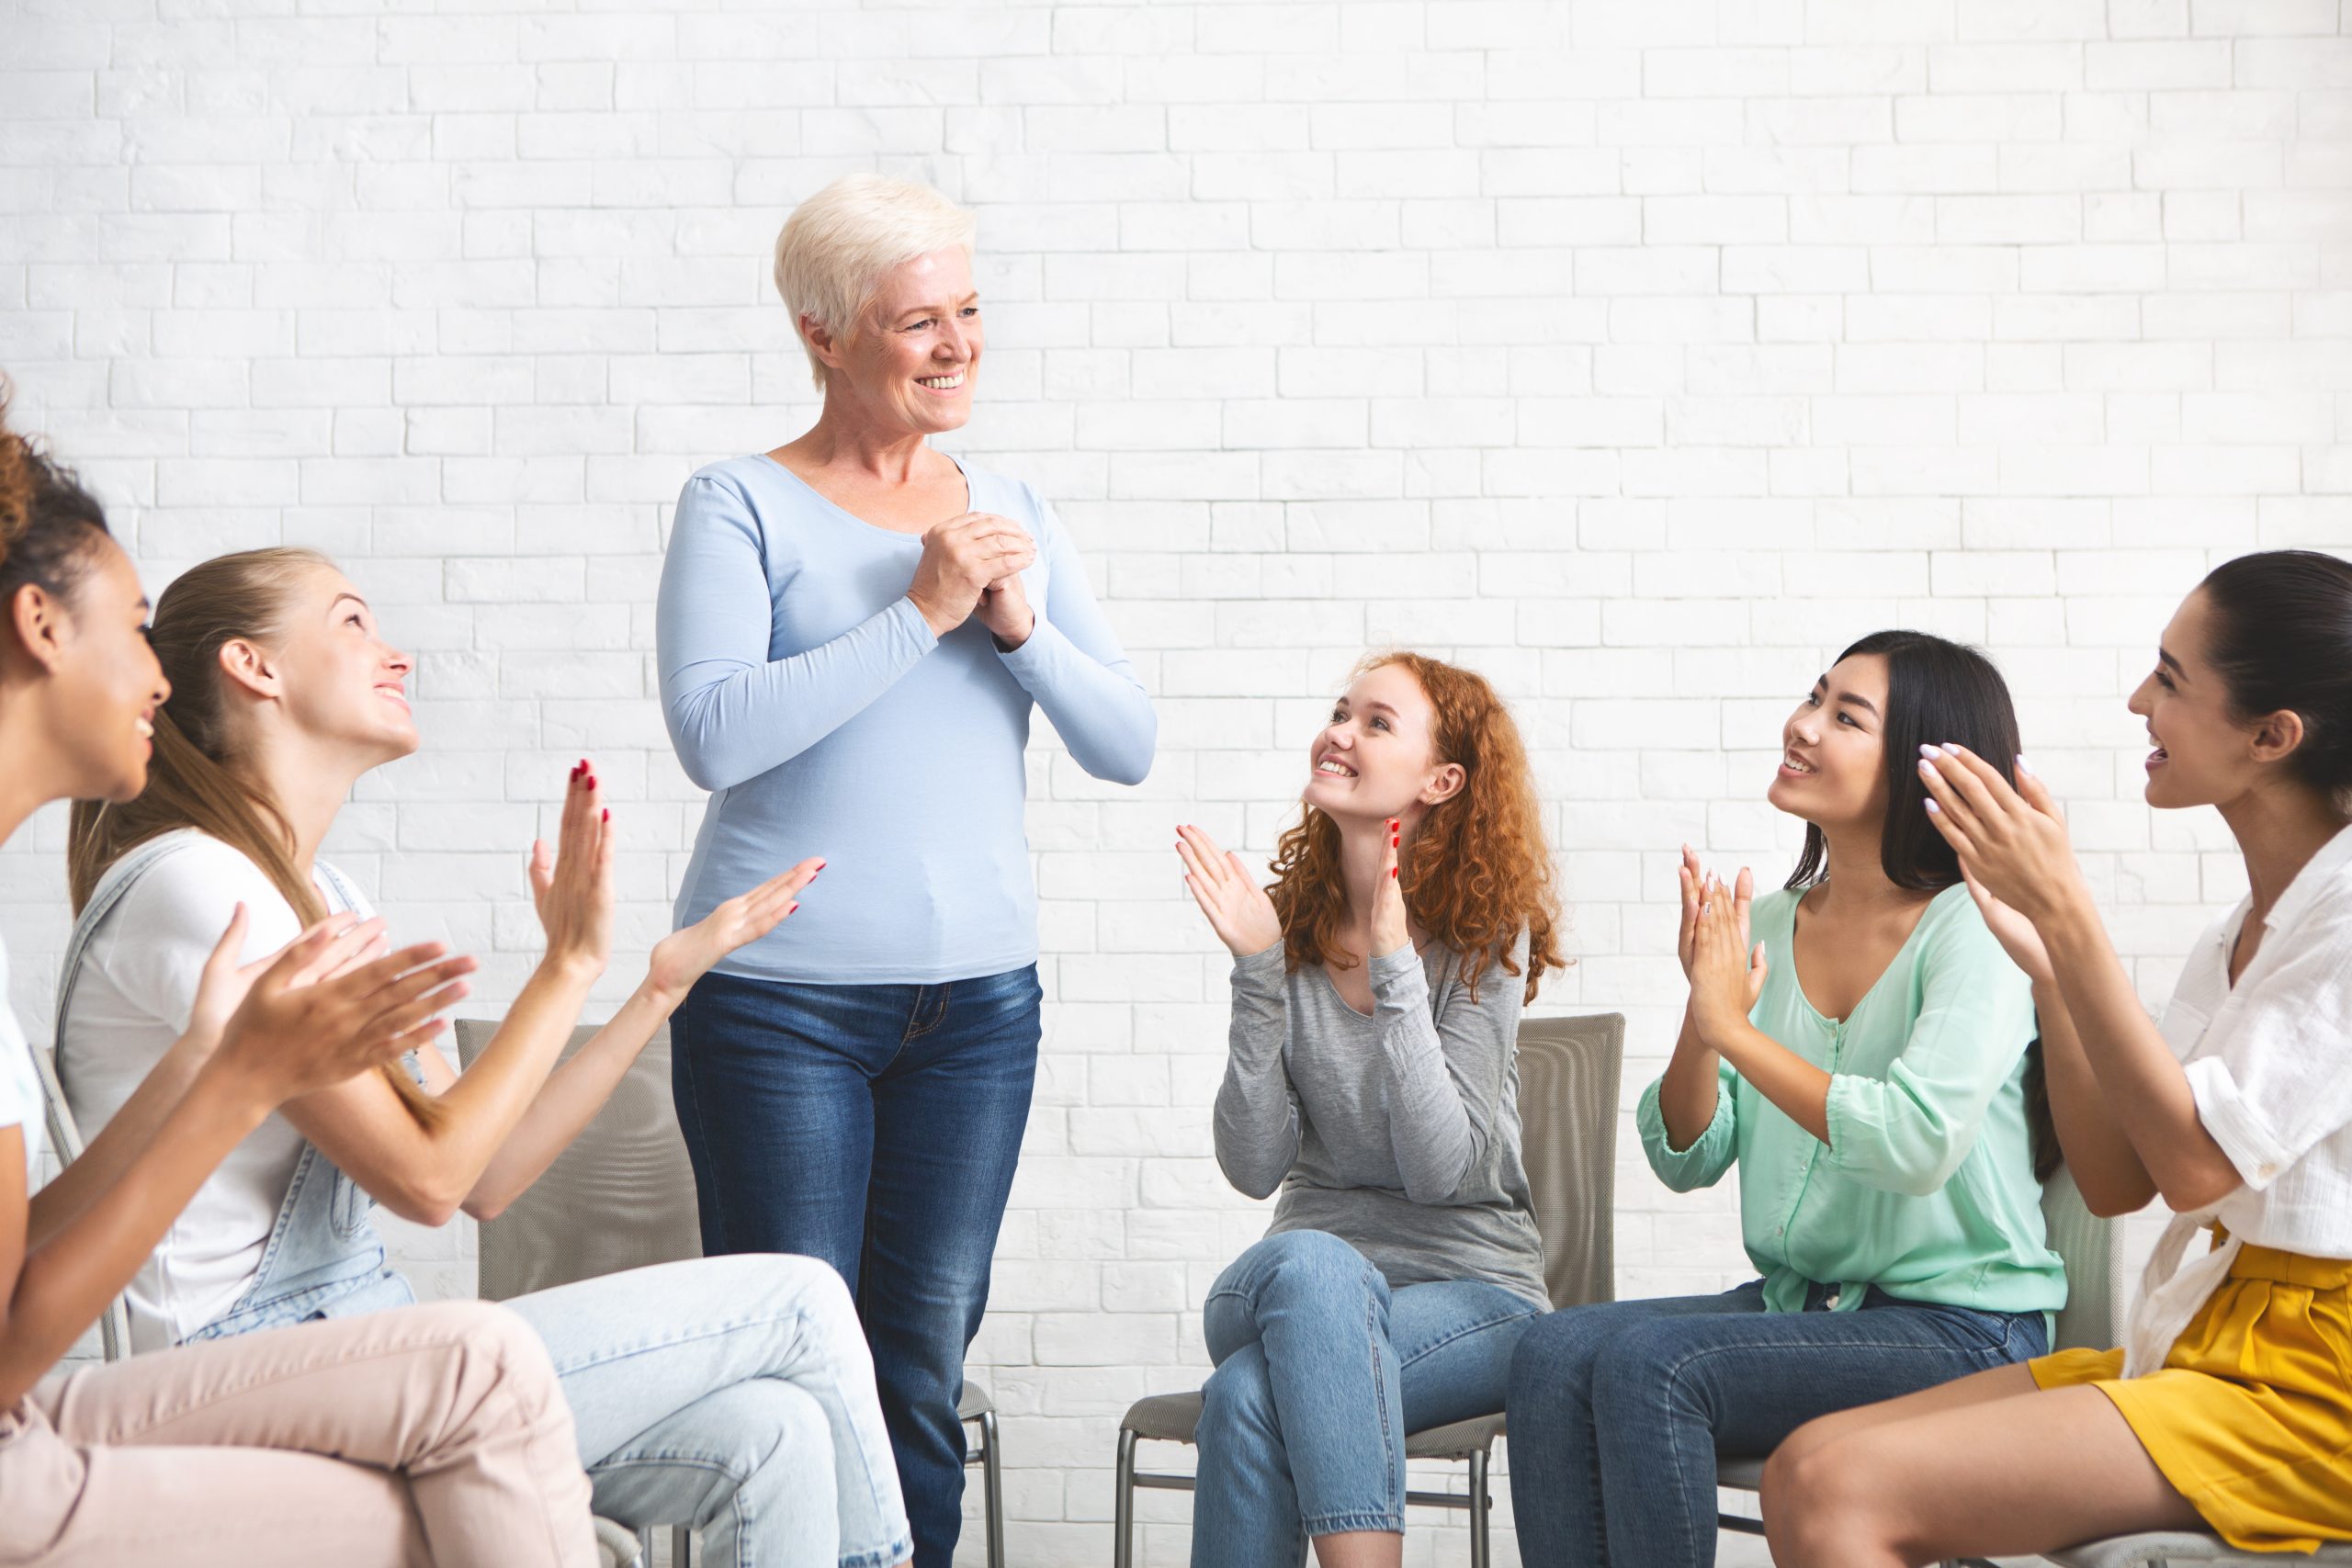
point(2092, 1250)
point(622, 1196)
point(1569, 1072)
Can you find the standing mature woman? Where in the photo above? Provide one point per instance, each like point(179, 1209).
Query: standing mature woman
point(853, 629)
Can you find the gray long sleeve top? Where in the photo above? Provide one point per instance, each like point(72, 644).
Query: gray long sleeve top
point(1398, 1132)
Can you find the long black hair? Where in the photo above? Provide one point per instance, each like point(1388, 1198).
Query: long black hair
point(1937, 690)
point(2281, 641)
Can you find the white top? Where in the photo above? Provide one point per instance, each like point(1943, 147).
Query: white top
point(19, 1086)
point(137, 983)
point(2265, 1060)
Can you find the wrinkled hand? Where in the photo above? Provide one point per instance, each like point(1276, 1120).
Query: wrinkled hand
point(684, 957)
point(963, 558)
point(1391, 930)
point(1238, 908)
point(1726, 974)
point(2011, 841)
point(572, 887)
point(296, 1031)
point(225, 983)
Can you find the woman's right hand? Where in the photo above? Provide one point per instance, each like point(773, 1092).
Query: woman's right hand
point(1238, 908)
point(960, 558)
point(573, 885)
point(296, 1033)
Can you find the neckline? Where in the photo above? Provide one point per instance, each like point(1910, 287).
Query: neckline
point(838, 510)
point(1796, 907)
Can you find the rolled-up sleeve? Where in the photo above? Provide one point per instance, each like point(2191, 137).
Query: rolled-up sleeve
point(1073, 668)
point(1710, 1154)
point(1908, 1132)
point(734, 713)
point(2271, 1092)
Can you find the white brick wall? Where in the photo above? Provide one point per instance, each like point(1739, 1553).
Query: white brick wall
point(1639, 353)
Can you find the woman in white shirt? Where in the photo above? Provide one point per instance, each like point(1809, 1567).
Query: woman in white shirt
point(432, 1434)
point(732, 1395)
point(2228, 1408)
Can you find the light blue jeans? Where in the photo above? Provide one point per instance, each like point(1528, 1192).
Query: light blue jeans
point(1321, 1370)
point(734, 1394)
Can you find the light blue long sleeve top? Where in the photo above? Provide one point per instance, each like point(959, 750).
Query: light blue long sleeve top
point(804, 690)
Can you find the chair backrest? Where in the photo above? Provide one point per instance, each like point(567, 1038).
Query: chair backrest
point(621, 1197)
point(65, 1145)
point(2092, 1249)
point(1569, 1072)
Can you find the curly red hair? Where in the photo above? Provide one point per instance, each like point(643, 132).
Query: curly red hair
point(1478, 872)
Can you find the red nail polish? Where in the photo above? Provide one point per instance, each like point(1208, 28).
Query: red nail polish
point(795, 907)
point(608, 814)
point(1392, 870)
point(592, 781)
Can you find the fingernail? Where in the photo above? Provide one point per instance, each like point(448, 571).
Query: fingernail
point(1926, 767)
point(1953, 747)
point(592, 781)
point(794, 907)
point(1927, 751)
point(821, 865)
point(608, 812)
point(2023, 766)
point(1392, 870)
point(1934, 810)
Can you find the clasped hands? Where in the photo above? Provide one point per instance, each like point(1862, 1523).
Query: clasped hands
point(973, 564)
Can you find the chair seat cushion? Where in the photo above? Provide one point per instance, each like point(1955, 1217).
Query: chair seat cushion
point(973, 1402)
point(2177, 1546)
point(1168, 1417)
point(1457, 1439)
point(1740, 1474)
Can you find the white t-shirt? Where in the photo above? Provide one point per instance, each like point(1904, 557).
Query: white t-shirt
point(19, 1086)
point(2265, 1060)
point(138, 982)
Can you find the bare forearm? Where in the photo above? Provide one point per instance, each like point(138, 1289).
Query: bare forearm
point(1798, 1087)
point(2107, 1168)
point(1686, 1094)
point(127, 1132)
point(573, 1093)
point(2137, 1074)
point(68, 1280)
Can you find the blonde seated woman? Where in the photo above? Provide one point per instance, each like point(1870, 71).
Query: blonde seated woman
point(2229, 1405)
point(430, 1434)
point(731, 1394)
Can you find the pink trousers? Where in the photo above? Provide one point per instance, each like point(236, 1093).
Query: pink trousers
point(430, 1436)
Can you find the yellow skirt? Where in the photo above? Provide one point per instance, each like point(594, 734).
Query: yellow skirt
point(2250, 1418)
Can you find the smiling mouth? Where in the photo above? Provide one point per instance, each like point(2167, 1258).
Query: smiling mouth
point(393, 693)
point(146, 731)
point(1331, 767)
point(942, 383)
point(1796, 765)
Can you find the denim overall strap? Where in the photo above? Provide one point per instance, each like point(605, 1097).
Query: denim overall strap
point(324, 1257)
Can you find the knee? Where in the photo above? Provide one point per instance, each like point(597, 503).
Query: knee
point(1816, 1495)
point(1556, 1355)
point(1311, 1262)
point(489, 1333)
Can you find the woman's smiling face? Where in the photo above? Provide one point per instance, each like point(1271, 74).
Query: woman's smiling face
point(1377, 755)
point(1833, 747)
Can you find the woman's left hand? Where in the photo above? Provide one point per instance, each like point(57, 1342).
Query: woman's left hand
point(2011, 842)
point(686, 955)
point(1392, 930)
point(1004, 608)
point(1726, 976)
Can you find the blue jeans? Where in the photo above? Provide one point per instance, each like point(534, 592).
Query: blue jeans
point(1321, 1370)
point(1618, 1411)
point(876, 1127)
point(732, 1395)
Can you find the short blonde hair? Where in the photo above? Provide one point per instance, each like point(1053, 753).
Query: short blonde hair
point(832, 251)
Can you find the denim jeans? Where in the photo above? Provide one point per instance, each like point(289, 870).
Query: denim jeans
point(732, 1395)
point(876, 1127)
point(1321, 1370)
point(1618, 1411)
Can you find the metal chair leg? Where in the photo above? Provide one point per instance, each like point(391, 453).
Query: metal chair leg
point(682, 1548)
point(645, 1547)
point(1478, 1511)
point(992, 1483)
point(1123, 1529)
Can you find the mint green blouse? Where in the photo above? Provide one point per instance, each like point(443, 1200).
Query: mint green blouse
point(1926, 1187)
